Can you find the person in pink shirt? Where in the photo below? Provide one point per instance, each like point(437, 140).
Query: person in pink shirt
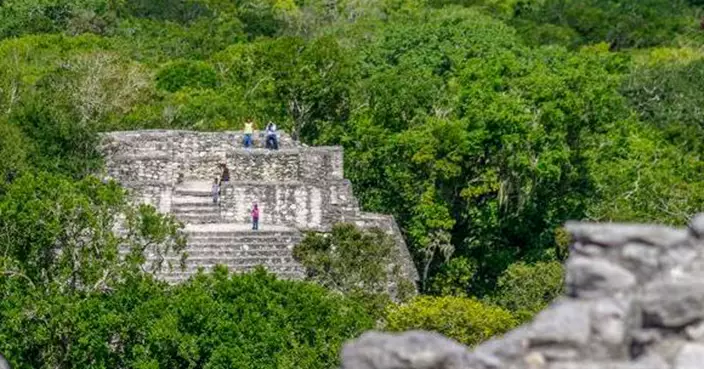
point(255, 217)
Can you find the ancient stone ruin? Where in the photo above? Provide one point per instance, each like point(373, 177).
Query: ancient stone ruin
point(297, 189)
point(634, 300)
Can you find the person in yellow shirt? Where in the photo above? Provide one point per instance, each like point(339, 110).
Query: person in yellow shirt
point(248, 132)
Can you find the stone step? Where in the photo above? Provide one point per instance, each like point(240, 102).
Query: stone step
point(237, 227)
point(192, 268)
point(194, 191)
point(188, 200)
point(225, 254)
point(193, 194)
point(179, 202)
point(190, 209)
point(278, 245)
point(252, 245)
point(282, 248)
point(199, 218)
point(243, 238)
point(260, 234)
point(245, 258)
point(240, 267)
point(179, 277)
point(191, 213)
point(242, 246)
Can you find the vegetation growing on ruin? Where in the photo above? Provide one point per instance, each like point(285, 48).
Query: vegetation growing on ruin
point(481, 125)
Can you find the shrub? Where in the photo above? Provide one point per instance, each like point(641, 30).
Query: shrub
point(178, 75)
point(526, 289)
point(466, 320)
point(355, 262)
point(454, 277)
point(213, 321)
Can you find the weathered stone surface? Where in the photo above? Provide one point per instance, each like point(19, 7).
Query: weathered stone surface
point(673, 303)
point(645, 336)
point(588, 277)
point(695, 332)
point(614, 235)
point(675, 259)
point(667, 348)
point(3, 363)
point(611, 319)
point(566, 322)
point(511, 346)
point(691, 356)
point(610, 322)
point(696, 225)
point(650, 362)
point(411, 350)
point(643, 260)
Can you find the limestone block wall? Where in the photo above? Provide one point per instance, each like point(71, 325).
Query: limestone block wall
point(388, 224)
point(170, 156)
point(187, 143)
point(292, 203)
point(634, 300)
point(298, 204)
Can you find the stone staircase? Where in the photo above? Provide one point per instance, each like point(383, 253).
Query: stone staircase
point(192, 203)
point(211, 241)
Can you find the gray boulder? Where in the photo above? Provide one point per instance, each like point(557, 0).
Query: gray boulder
point(411, 350)
point(3, 363)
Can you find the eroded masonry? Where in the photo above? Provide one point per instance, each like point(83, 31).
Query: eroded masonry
point(634, 300)
point(297, 189)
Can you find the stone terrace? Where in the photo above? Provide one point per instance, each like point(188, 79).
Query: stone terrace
point(297, 188)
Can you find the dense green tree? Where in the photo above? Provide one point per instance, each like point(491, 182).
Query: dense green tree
point(248, 321)
point(526, 289)
point(13, 152)
point(669, 97)
point(466, 320)
point(72, 242)
point(481, 125)
point(622, 24)
point(360, 263)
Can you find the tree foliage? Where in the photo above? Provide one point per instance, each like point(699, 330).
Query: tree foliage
point(527, 289)
point(356, 262)
point(72, 244)
point(466, 320)
point(481, 125)
point(220, 321)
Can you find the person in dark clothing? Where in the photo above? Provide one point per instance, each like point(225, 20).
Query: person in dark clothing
point(255, 218)
point(225, 176)
point(272, 138)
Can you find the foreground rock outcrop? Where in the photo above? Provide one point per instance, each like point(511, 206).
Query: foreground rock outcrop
point(3, 363)
point(634, 300)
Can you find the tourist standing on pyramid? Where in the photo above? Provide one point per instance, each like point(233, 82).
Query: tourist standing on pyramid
point(248, 132)
point(272, 141)
point(225, 176)
point(216, 191)
point(255, 217)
